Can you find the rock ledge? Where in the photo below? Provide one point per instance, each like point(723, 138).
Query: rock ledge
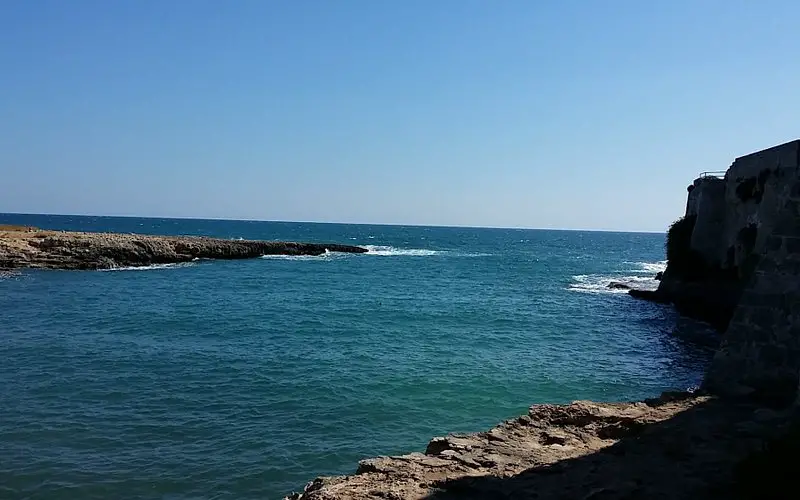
point(677, 446)
point(74, 250)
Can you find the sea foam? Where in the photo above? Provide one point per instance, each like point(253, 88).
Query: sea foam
point(599, 283)
point(648, 267)
point(389, 251)
point(151, 267)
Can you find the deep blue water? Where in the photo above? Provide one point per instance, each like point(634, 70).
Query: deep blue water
point(246, 379)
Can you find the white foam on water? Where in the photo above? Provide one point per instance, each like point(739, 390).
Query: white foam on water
point(389, 251)
point(375, 250)
point(317, 258)
point(328, 255)
point(10, 275)
point(598, 283)
point(151, 267)
point(649, 267)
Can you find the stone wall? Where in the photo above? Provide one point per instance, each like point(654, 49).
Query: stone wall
point(755, 189)
point(707, 202)
point(736, 214)
point(731, 220)
point(760, 352)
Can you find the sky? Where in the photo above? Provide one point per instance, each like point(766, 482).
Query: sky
point(573, 114)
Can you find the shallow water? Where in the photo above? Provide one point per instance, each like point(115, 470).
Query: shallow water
point(245, 379)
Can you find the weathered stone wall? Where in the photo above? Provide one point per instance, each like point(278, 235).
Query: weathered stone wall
point(760, 352)
point(692, 199)
point(755, 189)
point(707, 202)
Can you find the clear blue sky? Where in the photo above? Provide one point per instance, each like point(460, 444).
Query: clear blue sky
point(562, 114)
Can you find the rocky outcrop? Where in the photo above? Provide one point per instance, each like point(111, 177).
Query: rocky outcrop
point(68, 250)
point(677, 446)
point(713, 250)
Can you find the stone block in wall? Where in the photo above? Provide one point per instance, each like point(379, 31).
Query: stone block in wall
point(787, 285)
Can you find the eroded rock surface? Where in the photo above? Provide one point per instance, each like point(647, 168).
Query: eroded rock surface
point(677, 446)
point(68, 250)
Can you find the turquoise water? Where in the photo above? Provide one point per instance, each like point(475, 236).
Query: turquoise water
point(246, 379)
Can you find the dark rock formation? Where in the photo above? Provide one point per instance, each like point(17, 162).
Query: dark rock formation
point(713, 250)
point(711, 302)
point(65, 250)
point(616, 285)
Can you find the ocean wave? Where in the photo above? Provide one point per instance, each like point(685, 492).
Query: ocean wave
point(389, 251)
point(648, 267)
point(599, 283)
point(152, 267)
point(378, 251)
point(323, 257)
point(10, 275)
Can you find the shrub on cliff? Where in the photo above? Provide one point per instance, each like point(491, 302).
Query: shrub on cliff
point(679, 237)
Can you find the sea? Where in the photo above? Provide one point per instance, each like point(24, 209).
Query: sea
point(247, 379)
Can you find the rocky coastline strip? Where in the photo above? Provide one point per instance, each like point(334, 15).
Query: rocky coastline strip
point(677, 446)
point(22, 248)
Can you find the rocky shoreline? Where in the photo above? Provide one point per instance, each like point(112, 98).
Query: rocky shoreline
point(31, 248)
point(677, 446)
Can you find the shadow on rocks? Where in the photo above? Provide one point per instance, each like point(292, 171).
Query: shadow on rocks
point(713, 450)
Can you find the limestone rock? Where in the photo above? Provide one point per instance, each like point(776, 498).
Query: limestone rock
point(680, 445)
point(66, 250)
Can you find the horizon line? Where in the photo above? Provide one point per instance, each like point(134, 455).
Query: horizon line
point(458, 226)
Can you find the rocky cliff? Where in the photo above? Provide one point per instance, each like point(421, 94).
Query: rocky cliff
point(734, 260)
point(713, 250)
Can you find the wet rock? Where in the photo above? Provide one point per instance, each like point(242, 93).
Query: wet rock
point(651, 295)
